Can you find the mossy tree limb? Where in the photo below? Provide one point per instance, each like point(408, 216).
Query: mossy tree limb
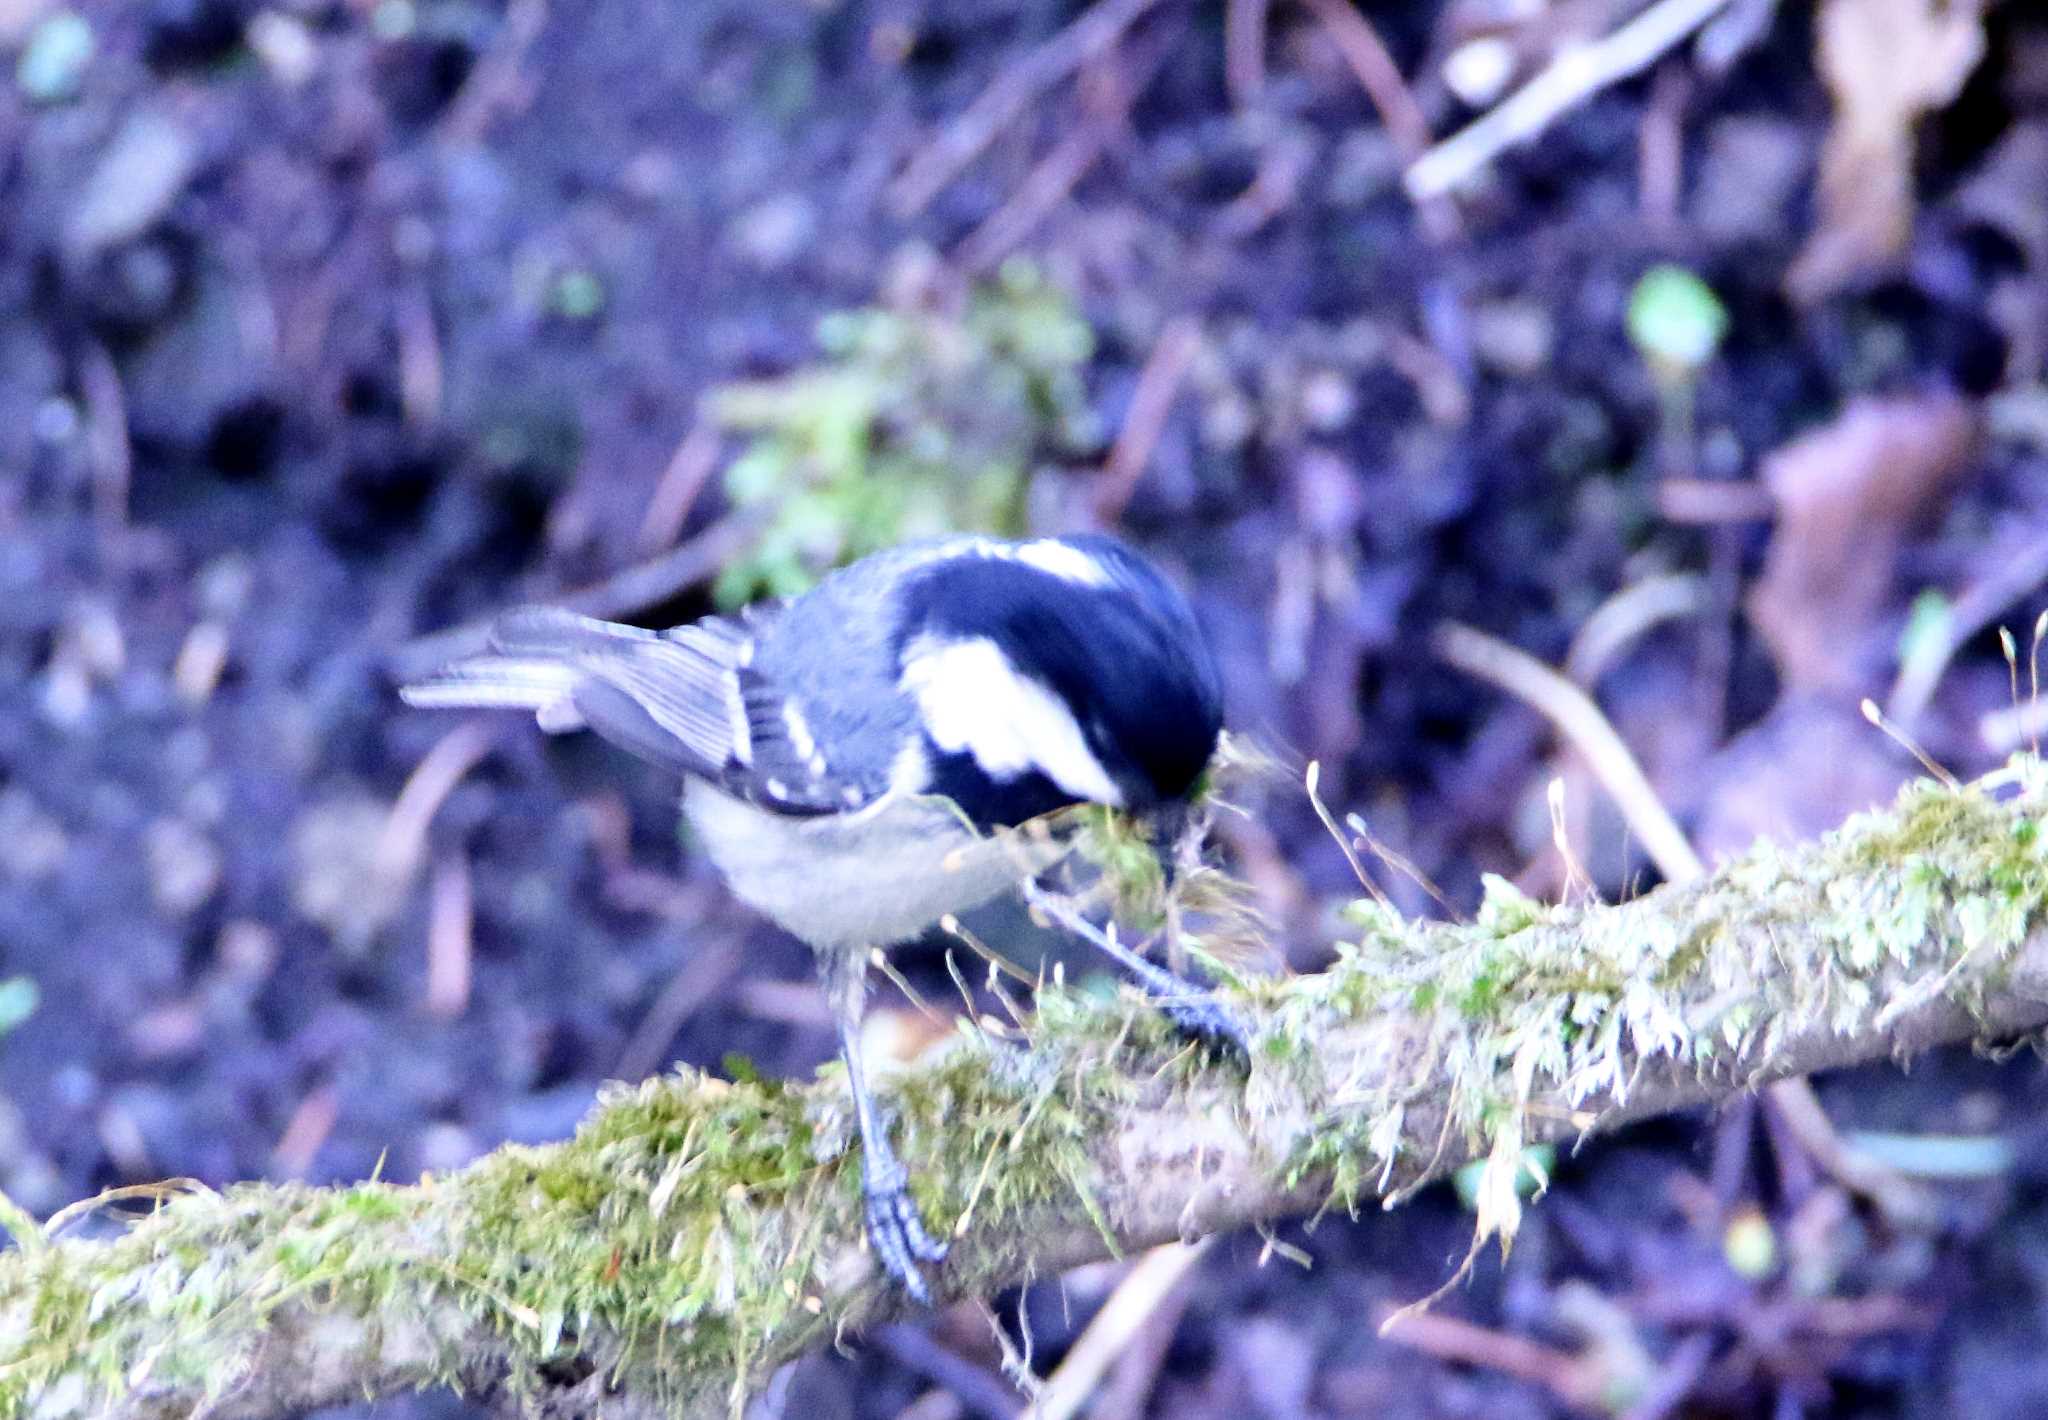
point(695, 1233)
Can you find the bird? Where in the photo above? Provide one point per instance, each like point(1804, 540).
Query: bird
point(851, 757)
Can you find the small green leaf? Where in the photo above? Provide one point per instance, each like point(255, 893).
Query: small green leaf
point(52, 64)
point(18, 1000)
point(1926, 629)
point(1675, 319)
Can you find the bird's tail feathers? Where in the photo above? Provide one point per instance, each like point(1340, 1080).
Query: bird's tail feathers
point(490, 682)
point(534, 661)
point(671, 697)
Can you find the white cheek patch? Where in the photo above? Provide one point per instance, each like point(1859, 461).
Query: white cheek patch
point(974, 701)
point(1063, 561)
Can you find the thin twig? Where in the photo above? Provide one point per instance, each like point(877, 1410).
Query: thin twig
point(701, 978)
point(1123, 1393)
point(1053, 178)
point(402, 843)
point(106, 434)
point(306, 1131)
point(1580, 721)
point(682, 482)
point(1713, 500)
point(1152, 401)
point(659, 579)
point(2009, 575)
point(1617, 622)
point(1092, 34)
point(420, 379)
point(1400, 114)
point(451, 937)
point(1660, 152)
point(1577, 1379)
point(1902, 1201)
point(1141, 1292)
point(979, 1392)
point(1568, 80)
point(1244, 49)
point(497, 84)
point(1377, 73)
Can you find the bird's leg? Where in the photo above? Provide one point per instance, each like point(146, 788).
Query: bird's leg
point(1193, 1011)
point(895, 1229)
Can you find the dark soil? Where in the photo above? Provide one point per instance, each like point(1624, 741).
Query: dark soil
point(325, 325)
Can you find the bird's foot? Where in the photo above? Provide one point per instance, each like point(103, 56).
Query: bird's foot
point(896, 1229)
point(1208, 1022)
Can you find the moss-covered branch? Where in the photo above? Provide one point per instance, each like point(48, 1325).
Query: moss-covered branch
point(696, 1233)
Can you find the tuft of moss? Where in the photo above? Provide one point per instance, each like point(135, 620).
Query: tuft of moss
point(922, 416)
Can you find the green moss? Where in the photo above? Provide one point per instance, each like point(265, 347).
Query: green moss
point(1534, 1003)
point(921, 417)
point(695, 1228)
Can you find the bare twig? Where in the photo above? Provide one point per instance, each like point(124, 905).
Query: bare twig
point(980, 1392)
point(682, 482)
point(1377, 74)
point(1380, 77)
point(1570, 79)
point(450, 938)
point(660, 579)
point(402, 843)
point(1158, 385)
point(1579, 1380)
point(1047, 184)
point(498, 84)
point(1903, 1202)
point(2010, 573)
point(1660, 151)
point(1094, 33)
point(419, 355)
point(702, 977)
point(106, 434)
point(1244, 49)
point(1713, 500)
point(306, 1131)
point(1616, 623)
point(1128, 1386)
point(1143, 1289)
point(1590, 732)
point(1109, 89)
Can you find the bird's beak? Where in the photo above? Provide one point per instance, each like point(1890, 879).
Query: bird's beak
point(1164, 826)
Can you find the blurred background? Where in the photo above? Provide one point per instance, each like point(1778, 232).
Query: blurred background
point(1707, 368)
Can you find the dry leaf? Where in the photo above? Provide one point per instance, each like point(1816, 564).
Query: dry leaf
point(1847, 495)
point(1887, 63)
point(1797, 772)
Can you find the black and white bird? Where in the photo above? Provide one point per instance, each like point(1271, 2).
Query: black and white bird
point(848, 756)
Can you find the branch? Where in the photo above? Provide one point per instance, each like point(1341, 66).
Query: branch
point(695, 1234)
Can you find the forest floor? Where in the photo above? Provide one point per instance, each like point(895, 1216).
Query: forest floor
point(329, 324)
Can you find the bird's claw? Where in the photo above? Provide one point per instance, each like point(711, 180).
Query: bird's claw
point(1208, 1022)
point(898, 1235)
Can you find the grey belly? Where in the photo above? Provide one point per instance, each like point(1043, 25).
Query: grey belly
point(863, 880)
